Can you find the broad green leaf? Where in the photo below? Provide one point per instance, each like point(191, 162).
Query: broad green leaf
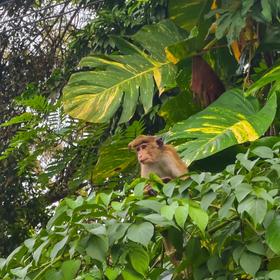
point(37, 253)
point(57, 247)
point(244, 161)
point(273, 234)
point(117, 206)
point(230, 120)
point(256, 247)
point(236, 180)
point(181, 215)
point(70, 268)
point(129, 274)
point(263, 152)
point(256, 208)
point(225, 209)
point(168, 211)
point(139, 189)
point(159, 220)
point(73, 204)
point(95, 228)
point(52, 274)
point(29, 243)
point(112, 272)
point(199, 217)
point(116, 231)
point(250, 263)
point(237, 252)
point(139, 260)
point(207, 199)
point(262, 193)
point(124, 80)
point(20, 271)
point(97, 248)
point(105, 198)
point(141, 233)
point(214, 264)
point(150, 204)
point(274, 274)
point(242, 190)
point(14, 254)
point(168, 189)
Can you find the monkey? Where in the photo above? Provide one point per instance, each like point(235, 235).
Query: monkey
point(156, 157)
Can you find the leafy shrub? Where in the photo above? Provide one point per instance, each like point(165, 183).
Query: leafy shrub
point(222, 226)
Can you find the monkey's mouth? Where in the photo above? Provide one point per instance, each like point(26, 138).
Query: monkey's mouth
point(145, 161)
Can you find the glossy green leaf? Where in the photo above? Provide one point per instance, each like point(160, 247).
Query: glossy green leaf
point(274, 274)
point(263, 152)
point(53, 274)
point(256, 247)
point(273, 234)
point(168, 211)
point(199, 217)
point(20, 271)
point(256, 208)
point(141, 233)
point(168, 188)
point(139, 260)
point(37, 253)
point(124, 80)
point(159, 220)
point(139, 189)
point(150, 204)
point(57, 247)
point(70, 269)
point(181, 215)
point(97, 248)
point(207, 199)
point(129, 274)
point(116, 231)
point(250, 263)
point(242, 190)
point(225, 209)
point(112, 272)
point(230, 120)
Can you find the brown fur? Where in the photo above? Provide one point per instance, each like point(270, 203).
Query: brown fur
point(156, 157)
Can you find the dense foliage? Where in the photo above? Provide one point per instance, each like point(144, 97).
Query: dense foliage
point(204, 75)
point(223, 226)
point(43, 152)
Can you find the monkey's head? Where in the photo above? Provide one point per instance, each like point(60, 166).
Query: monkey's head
point(148, 148)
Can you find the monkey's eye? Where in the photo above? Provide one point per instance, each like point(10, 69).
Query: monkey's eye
point(138, 149)
point(144, 146)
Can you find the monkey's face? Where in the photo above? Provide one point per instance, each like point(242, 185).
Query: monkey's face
point(147, 153)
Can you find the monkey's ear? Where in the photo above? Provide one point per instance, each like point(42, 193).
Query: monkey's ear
point(159, 141)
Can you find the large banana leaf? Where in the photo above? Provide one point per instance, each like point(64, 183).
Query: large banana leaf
point(124, 80)
point(231, 119)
